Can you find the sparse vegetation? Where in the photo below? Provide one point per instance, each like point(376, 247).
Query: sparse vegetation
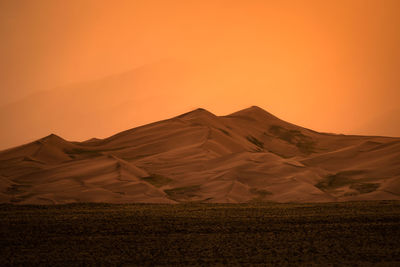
point(344, 178)
point(82, 153)
point(157, 180)
point(304, 143)
point(334, 181)
point(182, 193)
point(334, 234)
point(225, 132)
point(255, 141)
point(260, 194)
point(365, 188)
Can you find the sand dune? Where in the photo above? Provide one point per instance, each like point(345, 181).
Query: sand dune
point(248, 156)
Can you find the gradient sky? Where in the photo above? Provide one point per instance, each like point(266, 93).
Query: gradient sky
point(327, 65)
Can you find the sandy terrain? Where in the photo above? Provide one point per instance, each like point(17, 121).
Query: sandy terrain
point(247, 156)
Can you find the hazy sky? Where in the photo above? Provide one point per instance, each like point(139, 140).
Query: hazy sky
point(327, 65)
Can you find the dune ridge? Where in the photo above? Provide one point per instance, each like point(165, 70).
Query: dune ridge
point(247, 156)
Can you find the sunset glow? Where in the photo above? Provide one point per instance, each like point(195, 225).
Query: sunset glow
point(85, 69)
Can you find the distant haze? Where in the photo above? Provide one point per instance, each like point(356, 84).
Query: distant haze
point(91, 68)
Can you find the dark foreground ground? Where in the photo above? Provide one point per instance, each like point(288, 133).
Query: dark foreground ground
point(359, 233)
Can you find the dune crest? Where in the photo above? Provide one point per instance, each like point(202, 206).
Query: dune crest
point(247, 156)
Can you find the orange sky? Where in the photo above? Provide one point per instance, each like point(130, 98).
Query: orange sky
point(328, 65)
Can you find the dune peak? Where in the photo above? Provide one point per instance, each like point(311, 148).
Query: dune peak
point(254, 112)
point(197, 112)
point(52, 138)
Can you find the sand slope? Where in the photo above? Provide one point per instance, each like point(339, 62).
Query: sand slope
point(247, 156)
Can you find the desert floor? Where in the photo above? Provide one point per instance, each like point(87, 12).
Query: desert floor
point(350, 233)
